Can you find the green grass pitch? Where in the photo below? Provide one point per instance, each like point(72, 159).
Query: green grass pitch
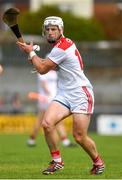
point(18, 161)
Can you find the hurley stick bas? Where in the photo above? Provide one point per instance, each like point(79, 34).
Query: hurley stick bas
point(10, 17)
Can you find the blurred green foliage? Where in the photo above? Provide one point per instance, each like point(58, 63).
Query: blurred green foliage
point(79, 29)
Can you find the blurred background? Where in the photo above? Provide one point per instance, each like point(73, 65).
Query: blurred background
point(96, 27)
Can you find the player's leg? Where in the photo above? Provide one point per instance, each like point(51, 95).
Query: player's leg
point(36, 128)
point(66, 142)
point(80, 128)
point(63, 134)
point(54, 114)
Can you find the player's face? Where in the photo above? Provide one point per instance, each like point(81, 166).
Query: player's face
point(52, 33)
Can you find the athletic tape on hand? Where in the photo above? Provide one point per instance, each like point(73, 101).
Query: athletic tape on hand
point(35, 48)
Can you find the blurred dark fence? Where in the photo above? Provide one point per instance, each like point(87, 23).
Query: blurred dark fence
point(103, 67)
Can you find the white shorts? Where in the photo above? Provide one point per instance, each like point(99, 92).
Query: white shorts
point(80, 100)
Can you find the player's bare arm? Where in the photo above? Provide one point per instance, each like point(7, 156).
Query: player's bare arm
point(43, 65)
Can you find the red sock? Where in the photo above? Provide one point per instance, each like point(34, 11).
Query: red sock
point(32, 137)
point(98, 160)
point(56, 156)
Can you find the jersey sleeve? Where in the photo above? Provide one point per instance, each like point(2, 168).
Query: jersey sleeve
point(57, 55)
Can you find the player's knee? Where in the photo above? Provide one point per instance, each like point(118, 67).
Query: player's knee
point(46, 125)
point(79, 137)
